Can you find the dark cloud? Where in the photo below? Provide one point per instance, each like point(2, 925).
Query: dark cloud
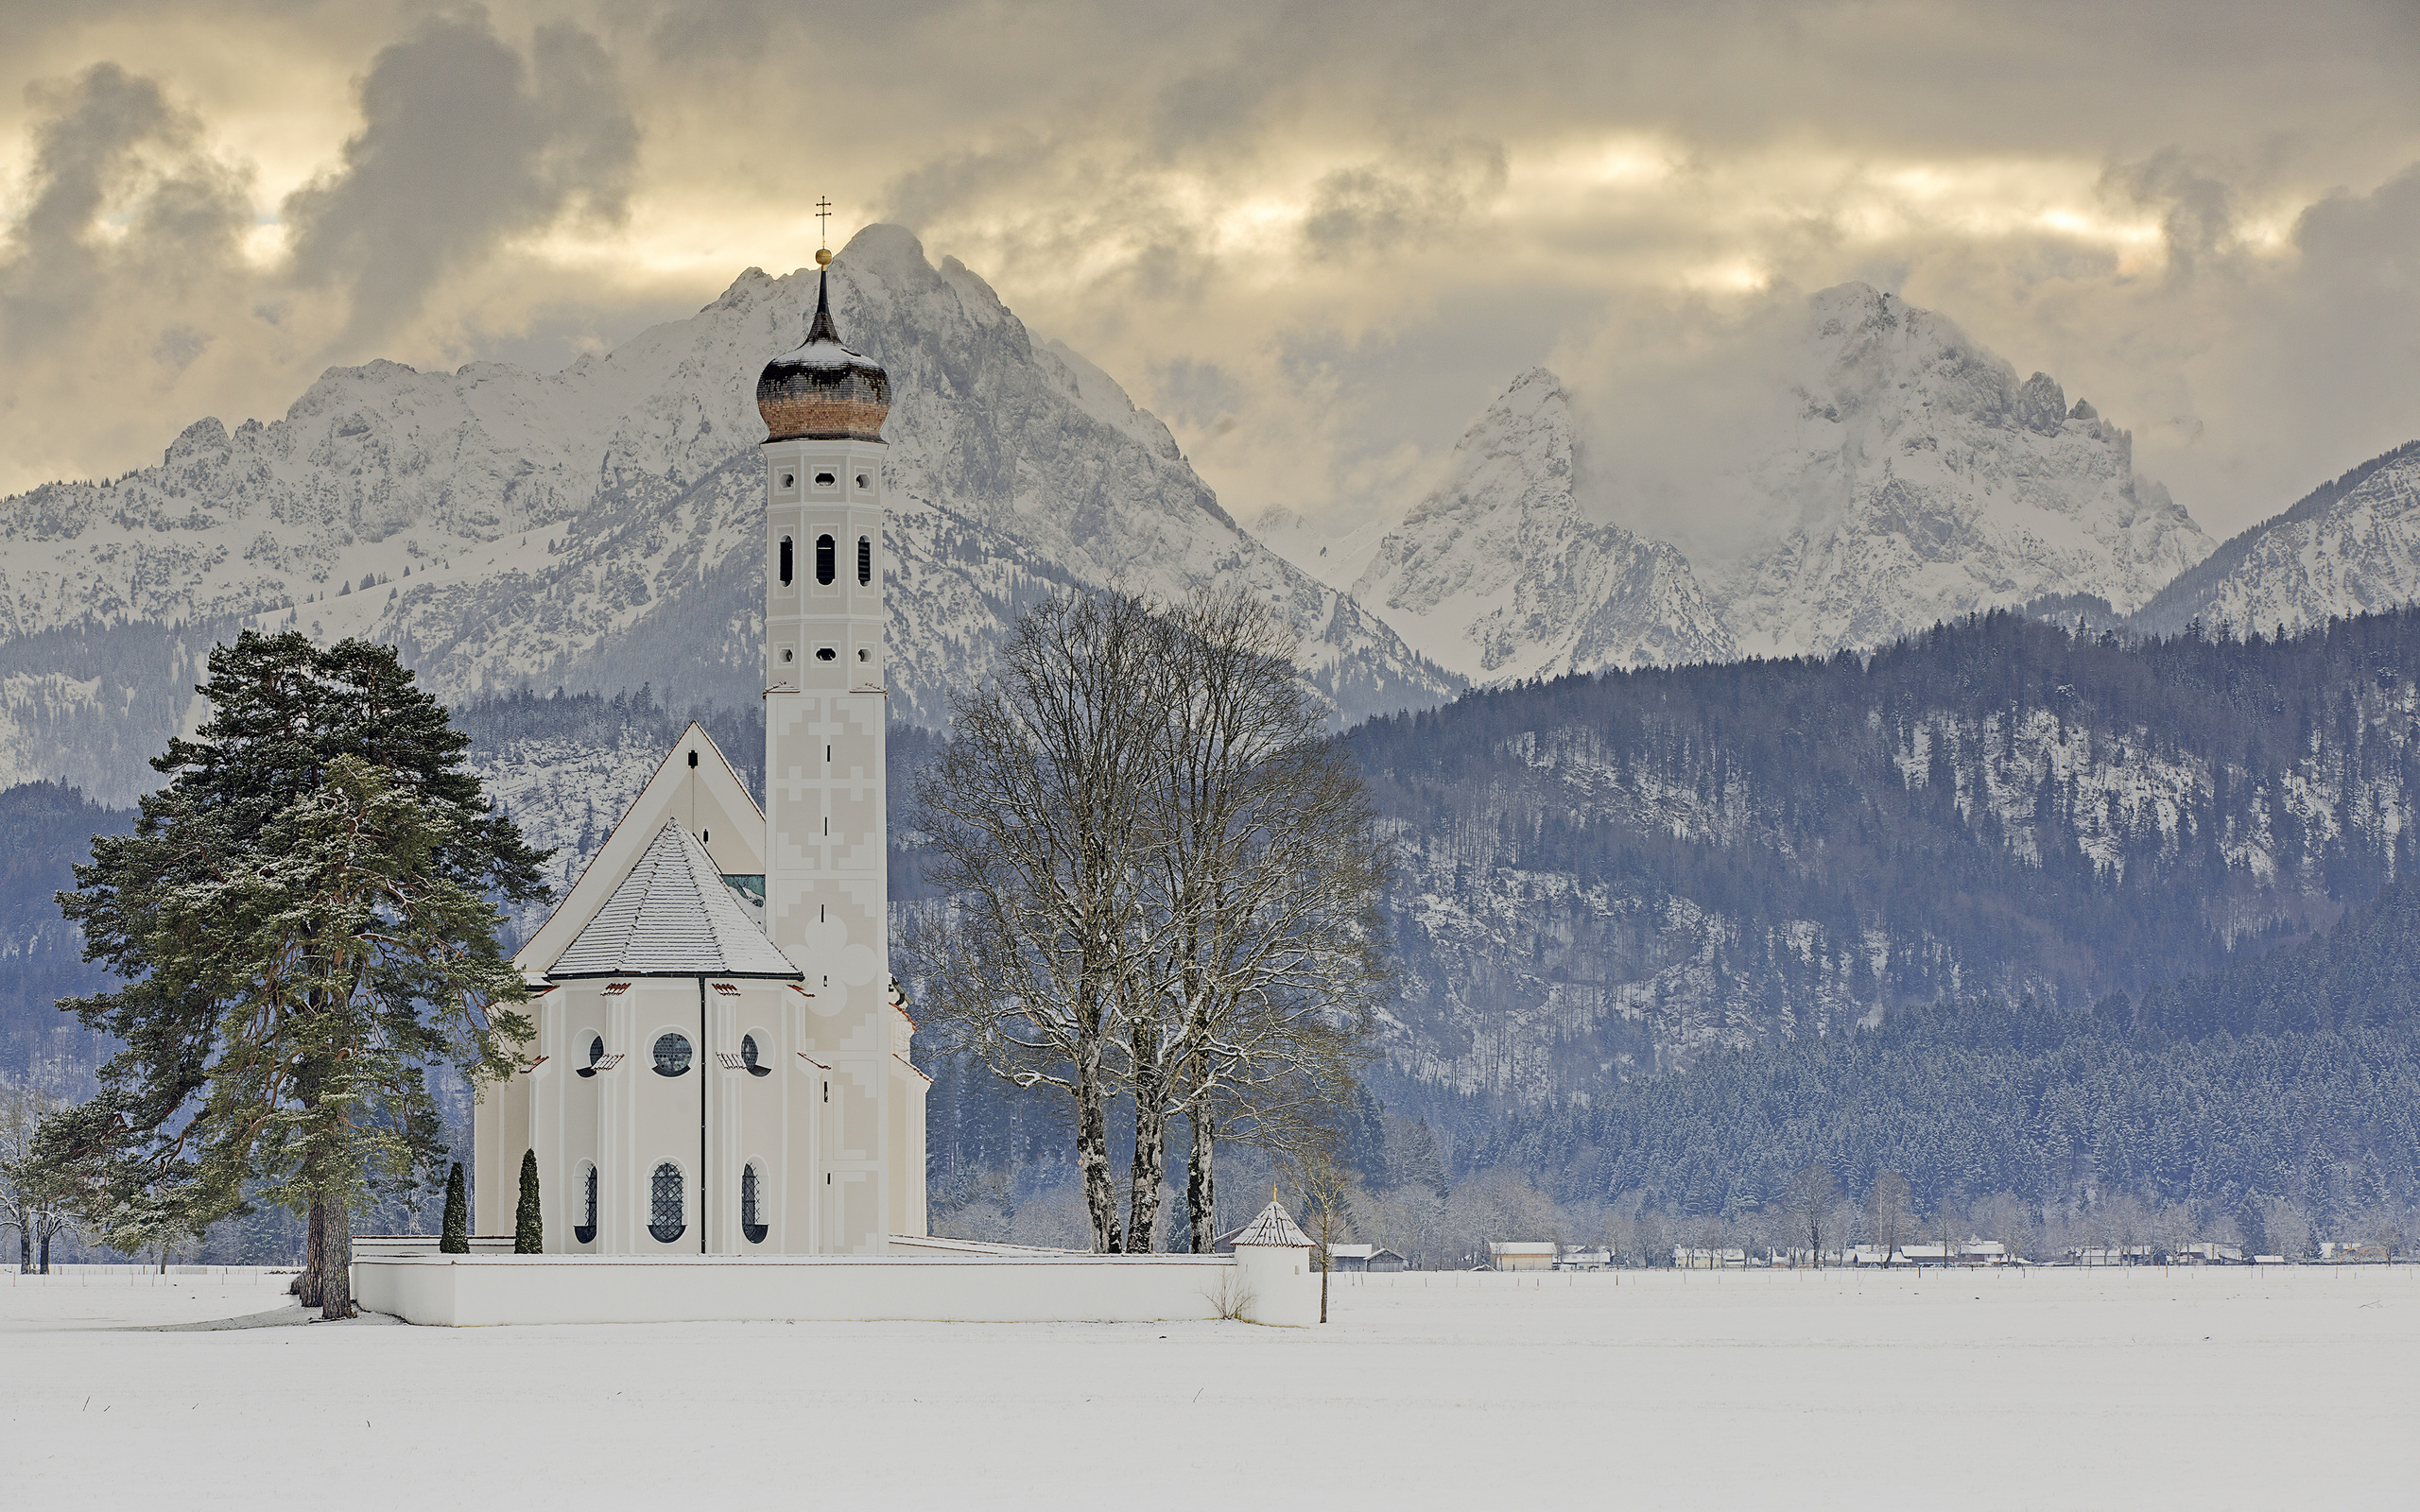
point(1392, 206)
point(112, 149)
point(464, 145)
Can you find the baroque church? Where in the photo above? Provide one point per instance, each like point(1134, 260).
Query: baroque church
point(720, 1065)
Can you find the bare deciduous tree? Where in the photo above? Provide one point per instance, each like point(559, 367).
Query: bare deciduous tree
point(1888, 1208)
point(1812, 1194)
point(1161, 877)
point(1263, 903)
point(1039, 813)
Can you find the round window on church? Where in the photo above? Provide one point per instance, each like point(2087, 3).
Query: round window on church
point(663, 1216)
point(752, 1211)
point(596, 1054)
point(672, 1055)
point(749, 1056)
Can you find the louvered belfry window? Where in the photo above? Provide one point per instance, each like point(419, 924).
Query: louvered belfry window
point(826, 564)
point(750, 1223)
point(664, 1204)
point(785, 562)
point(865, 560)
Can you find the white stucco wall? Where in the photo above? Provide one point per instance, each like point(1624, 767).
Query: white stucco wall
point(1274, 1286)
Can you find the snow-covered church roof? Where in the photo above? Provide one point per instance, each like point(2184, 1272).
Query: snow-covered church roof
point(672, 915)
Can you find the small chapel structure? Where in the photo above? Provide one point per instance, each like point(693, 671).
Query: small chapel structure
point(720, 1064)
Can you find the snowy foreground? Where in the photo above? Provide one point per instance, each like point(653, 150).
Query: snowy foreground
point(2216, 1388)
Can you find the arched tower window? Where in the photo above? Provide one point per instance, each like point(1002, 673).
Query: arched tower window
point(825, 565)
point(752, 1217)
point(672, 1055)
point(664, 1204)
point(749, 1056)
point(596, 1054)
point(865, 560)
point(585, 1231)
point(785, 562)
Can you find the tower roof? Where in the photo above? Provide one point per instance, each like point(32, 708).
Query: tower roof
point(672, 915)
point(1271, 1228)
point(823, 390)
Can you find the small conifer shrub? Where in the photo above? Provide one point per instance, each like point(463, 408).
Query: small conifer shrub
point(528, 1231)
point(454, 1239)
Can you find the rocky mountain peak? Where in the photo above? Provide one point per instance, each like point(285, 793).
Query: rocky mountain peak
point(1498, 575)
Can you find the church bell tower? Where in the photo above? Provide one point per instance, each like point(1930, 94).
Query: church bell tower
point(827, 843)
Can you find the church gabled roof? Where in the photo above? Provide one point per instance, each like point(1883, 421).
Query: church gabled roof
point(672, 915)
point(693, 784)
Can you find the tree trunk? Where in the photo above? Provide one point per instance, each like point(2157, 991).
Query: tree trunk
point(1092, 1156)
point(45, 1251)
point(1149, 1169)
point(306, 1285)
point(26, 1247)
point(336, 1261)
point(1200, 1178)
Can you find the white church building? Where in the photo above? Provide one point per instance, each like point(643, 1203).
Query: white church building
point(718, 1094)
point(721, 1060)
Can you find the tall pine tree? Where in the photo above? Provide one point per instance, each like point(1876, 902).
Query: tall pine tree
point(304, 920)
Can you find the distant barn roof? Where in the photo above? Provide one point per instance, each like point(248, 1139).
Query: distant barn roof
point(672, 915)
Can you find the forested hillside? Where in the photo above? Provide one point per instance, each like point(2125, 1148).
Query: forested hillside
point(1609, 876)
point(2294, 1075)
point(45, 831)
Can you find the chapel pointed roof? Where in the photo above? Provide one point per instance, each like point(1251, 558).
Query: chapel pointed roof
point(672, 915)
point(1271, 1228)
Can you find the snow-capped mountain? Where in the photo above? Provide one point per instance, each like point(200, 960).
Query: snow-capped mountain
point(2348, 547)
point(1498, 577)
point(1909, 477)
point(597, 528)
point(1922, 481)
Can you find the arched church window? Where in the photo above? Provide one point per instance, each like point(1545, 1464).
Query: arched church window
point(824, 565)
point(596, 1054)
point(748, 1057)
point(585, 1231)
point(785, 562)
point(752, 1217)
point(664, 1204)
point(672, 1055)
point(865, 560)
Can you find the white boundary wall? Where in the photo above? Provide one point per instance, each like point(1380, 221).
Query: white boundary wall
point(942, 1283)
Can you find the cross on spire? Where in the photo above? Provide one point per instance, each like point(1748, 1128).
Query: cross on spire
point(823, 224)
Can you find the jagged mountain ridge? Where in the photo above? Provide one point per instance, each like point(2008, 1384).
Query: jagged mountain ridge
point(599, 527)
point(1506, 580)
point(2348, 547)
point(1924, 482)
point(1918, 480)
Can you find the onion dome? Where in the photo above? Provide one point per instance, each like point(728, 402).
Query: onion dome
point(823, 392)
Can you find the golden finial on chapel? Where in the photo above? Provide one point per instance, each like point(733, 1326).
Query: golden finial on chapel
point(823, 232)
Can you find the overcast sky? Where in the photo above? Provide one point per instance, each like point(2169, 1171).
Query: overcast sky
point(1316, 238)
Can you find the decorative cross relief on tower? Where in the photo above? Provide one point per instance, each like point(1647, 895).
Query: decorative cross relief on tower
point(826, 845)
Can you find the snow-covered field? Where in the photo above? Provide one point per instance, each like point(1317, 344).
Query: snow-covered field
point(2222, 1388)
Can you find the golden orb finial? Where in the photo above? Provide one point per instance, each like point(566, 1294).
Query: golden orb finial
point(824, 257)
